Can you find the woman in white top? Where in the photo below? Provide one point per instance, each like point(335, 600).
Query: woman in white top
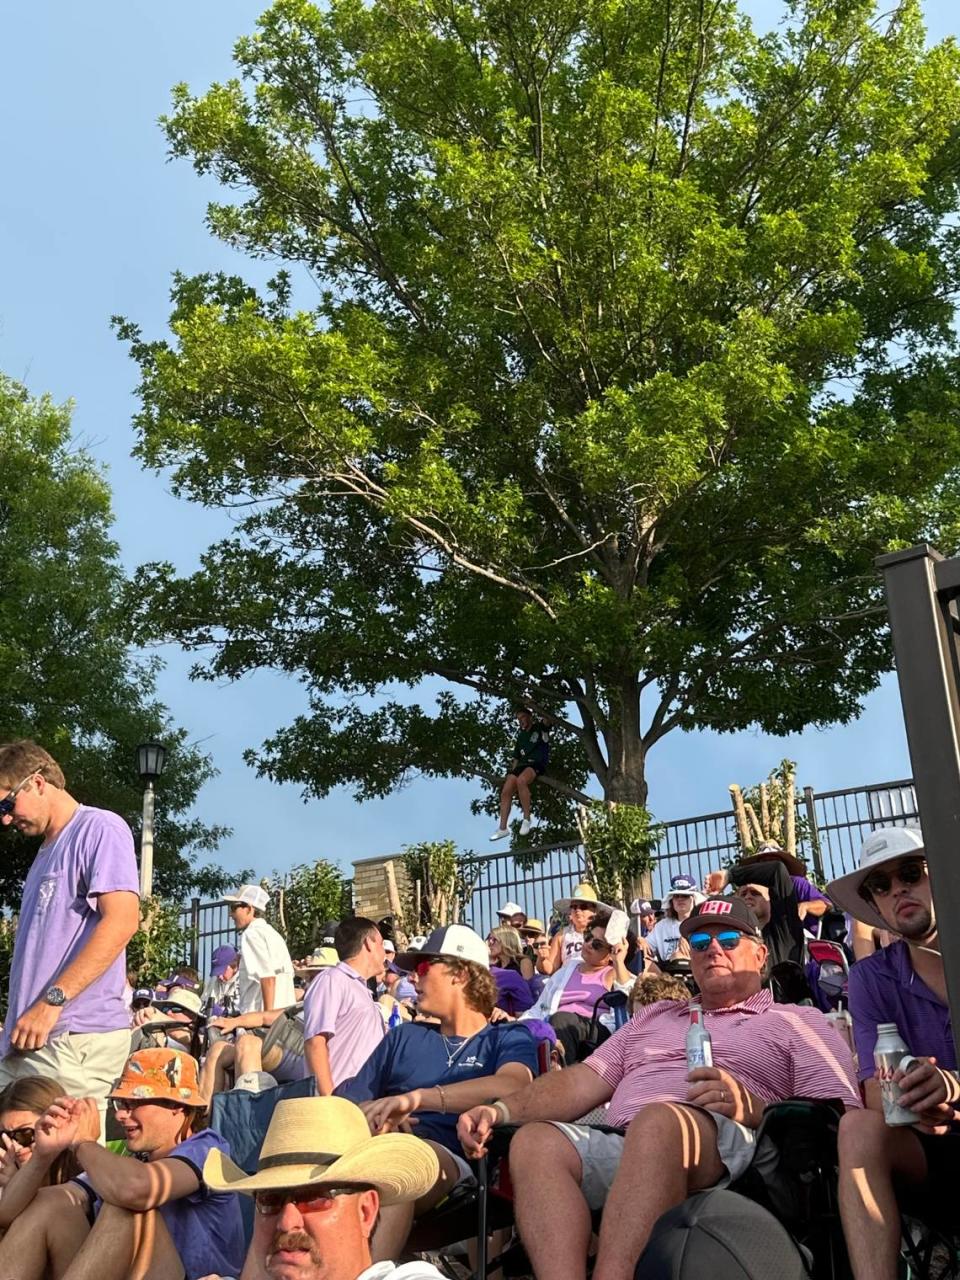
point(567, 944)
point(682, 896)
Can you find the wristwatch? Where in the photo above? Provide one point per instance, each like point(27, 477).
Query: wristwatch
point(55, 996)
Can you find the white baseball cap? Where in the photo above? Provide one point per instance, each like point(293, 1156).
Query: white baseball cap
point(251, 895)
point(388, 947)
point(886, 844)
point(457, 941)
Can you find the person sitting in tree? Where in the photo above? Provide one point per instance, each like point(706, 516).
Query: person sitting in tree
point(531, 752)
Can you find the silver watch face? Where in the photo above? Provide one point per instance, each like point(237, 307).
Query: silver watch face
point(55, 996)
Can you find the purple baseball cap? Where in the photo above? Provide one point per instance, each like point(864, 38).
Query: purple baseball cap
point(222, 959)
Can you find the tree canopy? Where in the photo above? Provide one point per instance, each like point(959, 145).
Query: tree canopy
point(611, 342)
point(68, 679)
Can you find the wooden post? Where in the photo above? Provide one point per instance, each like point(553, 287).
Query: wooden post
point(754, 824)
point(790, 810)
point(764, 810)
point(740, 817)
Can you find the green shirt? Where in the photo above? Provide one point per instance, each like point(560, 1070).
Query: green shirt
point(530, 747)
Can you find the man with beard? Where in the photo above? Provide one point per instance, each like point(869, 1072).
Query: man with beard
point(903, 984)
point(318, 1191)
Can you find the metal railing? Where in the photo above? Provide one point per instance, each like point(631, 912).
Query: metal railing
point(832, 826)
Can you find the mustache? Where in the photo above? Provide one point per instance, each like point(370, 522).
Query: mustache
point(298, 1240)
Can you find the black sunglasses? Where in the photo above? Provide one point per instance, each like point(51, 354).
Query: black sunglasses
point(10, 799)
point(879, 883)
point(23, 1135)
point(598, 943)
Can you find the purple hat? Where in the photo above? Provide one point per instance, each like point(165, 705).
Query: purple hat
point(222, 959)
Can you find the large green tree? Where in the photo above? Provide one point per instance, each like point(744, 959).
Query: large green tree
point(68, 679)
point(630, 345)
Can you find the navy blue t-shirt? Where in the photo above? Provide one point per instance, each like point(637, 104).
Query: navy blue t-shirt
point(412, 1056)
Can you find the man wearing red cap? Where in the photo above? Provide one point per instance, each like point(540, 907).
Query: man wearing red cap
point(151, 1216)
point(701, 1124)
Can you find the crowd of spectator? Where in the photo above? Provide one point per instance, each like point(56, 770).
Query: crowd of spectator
point(414, 1051)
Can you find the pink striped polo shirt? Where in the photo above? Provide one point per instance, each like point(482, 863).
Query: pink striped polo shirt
point(777, 1051)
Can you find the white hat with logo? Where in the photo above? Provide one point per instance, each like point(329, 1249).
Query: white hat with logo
point(455, 941)
point(886, 844)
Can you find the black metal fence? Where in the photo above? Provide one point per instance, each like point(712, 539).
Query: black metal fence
point(831, 825)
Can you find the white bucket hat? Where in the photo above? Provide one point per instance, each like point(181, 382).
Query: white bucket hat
point(311, 1141)
point(886, 844)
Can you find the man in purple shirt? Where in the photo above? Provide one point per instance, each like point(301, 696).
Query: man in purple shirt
point(904, 984)
point(66, 1015)
point(342, 1025)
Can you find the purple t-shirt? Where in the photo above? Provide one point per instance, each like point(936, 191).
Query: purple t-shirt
point(806, 891)
point(93, 854)
point(338, 1005)
point(206, 1226)
point(884, 988)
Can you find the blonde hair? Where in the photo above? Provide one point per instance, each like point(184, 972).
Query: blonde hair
point(663, 987)
point(21, 758)
point(511, 944)
point(479, 984)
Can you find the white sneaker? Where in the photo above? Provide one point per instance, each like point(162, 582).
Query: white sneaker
point(500, 833)
point(525, 827)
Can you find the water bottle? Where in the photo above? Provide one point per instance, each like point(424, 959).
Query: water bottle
point(889, 1056)
point(699, 1044)
point(395, 1018)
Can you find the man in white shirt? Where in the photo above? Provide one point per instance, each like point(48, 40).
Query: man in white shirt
point(315, 1221)
point(265, 980)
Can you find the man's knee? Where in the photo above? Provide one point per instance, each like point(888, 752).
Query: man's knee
point(536, 1147)
point(864, 1137)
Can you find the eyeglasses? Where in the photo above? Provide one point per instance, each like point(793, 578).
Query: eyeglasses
point(305, 1199)
point(10, 799)
point(23, 1135)
point(879, 883)
point(538, 945)
point(597, 943)
point(729, 941)
point(134, 1104)
point(583, 906)
point(425, 965)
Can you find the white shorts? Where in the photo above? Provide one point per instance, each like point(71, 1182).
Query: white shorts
point(600, 1154)
point(87, 1065)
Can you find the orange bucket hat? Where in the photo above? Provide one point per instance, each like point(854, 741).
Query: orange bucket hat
point(163, 1075)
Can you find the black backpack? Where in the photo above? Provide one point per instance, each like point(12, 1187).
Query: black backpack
point(721, 1235)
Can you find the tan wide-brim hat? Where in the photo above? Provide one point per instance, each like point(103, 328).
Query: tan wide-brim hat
point(582, 892)
point(316, 1140)
point(770, 852)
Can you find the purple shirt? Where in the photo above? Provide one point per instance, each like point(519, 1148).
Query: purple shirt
point(338, 1005)
point(884, 988)
point(93, 854)
point(806, 891)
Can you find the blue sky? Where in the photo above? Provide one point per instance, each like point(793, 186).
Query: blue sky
point(93, 221)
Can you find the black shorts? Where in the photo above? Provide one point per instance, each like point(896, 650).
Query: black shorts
point(521, 768)
point(936, 1199)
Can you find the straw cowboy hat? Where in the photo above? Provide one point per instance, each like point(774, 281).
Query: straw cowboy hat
point(316, 1140)
point(886, 844)
point(770, 851)
point(582, 892)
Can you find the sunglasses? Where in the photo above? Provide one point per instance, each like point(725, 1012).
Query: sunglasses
point(538, 945)
point(306, 1199)
point(879, 883)
point(582, 906)
point(425, 965)
point(134, 1104)
point(23, 1135)
point(597, 943)
point(10, 799)
point(728, 940)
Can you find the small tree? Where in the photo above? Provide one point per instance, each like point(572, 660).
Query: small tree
point(441, 883)
point(301, 899)
point(160, 944)
point(619, 840)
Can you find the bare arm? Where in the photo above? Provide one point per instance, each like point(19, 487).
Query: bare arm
point(132, 1184)
point(269, 988)
point(559, 1095)
point(384, 1114)
point(552, 961)
point(318, 1063)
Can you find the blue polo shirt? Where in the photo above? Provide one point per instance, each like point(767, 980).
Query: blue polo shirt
point(413, 1056)
point(884, 988)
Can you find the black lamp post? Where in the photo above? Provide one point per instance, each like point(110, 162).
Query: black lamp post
point(151, 758)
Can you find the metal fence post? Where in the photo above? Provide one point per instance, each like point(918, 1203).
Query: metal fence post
point(194, 932)
point(814, 834)
point(922, 589)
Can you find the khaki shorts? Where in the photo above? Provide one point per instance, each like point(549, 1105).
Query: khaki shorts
point(600, 1154)
point(86, 1064)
